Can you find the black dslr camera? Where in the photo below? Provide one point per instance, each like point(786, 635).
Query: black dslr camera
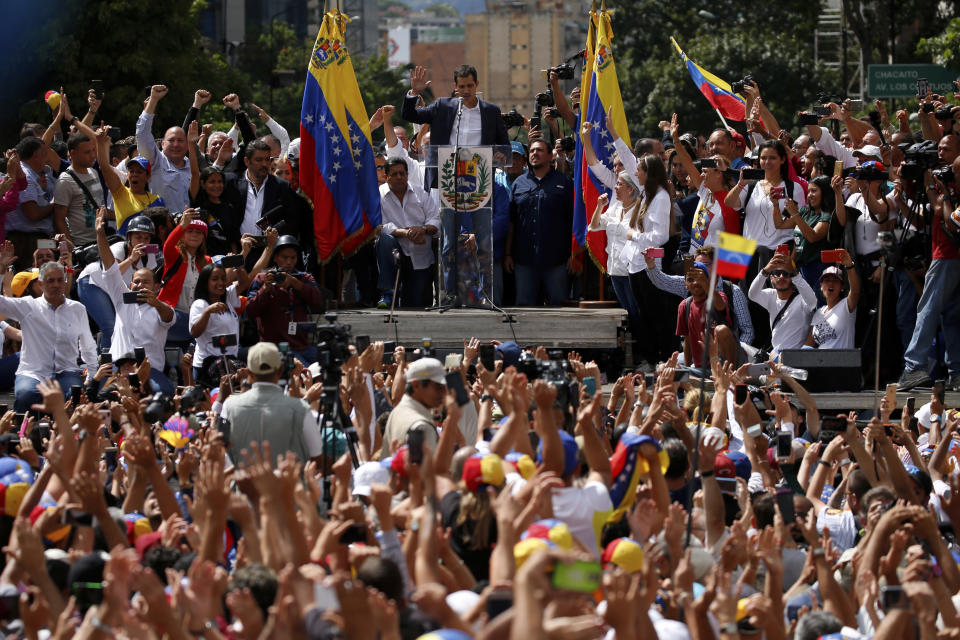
point(738, 86)
point(917, 158)
point(564, 71)
point(512, 119)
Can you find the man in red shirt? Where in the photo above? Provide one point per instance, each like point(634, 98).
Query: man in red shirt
point(691, 319)
point(938, 308)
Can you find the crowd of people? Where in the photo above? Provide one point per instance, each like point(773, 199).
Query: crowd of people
point(187, 455)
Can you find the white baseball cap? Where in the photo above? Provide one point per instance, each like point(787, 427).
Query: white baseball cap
point(367, 474)
point(426, 369)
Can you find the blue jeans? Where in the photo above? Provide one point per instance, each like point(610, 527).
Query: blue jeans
point(307, 356)
point(179, 333)
point(906, 305)
point(26, 394)
point(530, 281)
point(937, 308)
point(414, 283)
point(467, 273)
point(100, 308)
point(624, 293)
point(161, 382)
point(8, 370)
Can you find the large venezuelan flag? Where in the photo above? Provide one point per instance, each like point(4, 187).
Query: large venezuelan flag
point(580, 171)
point(602, 95)
point(337, 171)
point(716, 90)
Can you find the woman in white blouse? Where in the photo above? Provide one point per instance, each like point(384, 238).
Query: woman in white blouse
point(649, 228)
point(615, 220)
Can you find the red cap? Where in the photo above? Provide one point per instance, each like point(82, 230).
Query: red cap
point(198, 225)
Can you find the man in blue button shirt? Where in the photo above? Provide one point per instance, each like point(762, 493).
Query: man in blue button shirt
point(541, 219)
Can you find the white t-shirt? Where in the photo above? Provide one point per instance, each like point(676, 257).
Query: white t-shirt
point(866, 230)
point(758, 222)
point(834, 328)
point(188, 290)
point(842, 525)
point(707, 221)
point(584, 509)
point(218, 325)
point(794, 325)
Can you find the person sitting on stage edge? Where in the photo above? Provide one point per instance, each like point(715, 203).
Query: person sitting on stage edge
point(789, 321)
point(692, 319)
point(56, 336)
point(410, 220)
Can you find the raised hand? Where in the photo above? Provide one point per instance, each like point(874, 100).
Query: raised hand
point(158, 91)
point(200, 98)
point(232, 101)
point(418, 80)
point(193, 132)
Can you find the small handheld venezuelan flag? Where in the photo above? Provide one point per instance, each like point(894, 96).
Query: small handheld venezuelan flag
point(733, 255)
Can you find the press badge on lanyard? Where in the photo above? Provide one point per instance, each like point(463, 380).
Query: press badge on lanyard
point(292, 328)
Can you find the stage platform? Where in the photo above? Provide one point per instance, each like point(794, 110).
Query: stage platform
point(552, 327)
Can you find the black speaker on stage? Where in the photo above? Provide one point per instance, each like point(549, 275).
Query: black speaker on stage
point(829, 369)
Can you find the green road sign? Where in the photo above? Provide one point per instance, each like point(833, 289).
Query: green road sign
point(900, 80)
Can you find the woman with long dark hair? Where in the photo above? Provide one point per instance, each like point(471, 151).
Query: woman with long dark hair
point(184, 254)
point(811, 223)
point(206, 193)
point(649, 228)
point(216, 307)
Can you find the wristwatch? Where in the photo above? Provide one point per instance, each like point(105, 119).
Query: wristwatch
point(486, 397)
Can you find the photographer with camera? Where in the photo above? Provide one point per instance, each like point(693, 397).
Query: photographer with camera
point(283, 296)
point(141, 320)
point(941, 285)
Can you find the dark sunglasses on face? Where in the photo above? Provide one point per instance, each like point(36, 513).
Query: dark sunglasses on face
point(780, 273)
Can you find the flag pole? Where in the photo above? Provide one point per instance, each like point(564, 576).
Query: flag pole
point(725, 125)
point(704, 374)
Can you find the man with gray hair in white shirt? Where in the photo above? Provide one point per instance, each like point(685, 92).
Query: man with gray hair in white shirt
point(56, 336)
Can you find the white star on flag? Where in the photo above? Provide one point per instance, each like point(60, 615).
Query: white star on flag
point(329, 126)
point(333, 177)
point(309, 118)
point(336, 166)
point(336, 151)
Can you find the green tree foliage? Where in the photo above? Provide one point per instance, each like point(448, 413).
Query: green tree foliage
point(943, 48)
point(279, 49)
point(770, 41)
point(883, 27)
point(69, 44)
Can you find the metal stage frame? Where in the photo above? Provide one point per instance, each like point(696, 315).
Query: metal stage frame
point(552, 327)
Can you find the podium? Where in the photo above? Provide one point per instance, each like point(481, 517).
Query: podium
point(465, 186)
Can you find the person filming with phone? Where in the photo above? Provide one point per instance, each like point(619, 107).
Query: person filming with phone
point(142, 319)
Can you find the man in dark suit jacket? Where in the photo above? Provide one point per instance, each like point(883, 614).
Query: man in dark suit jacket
point(256, 192)
point(481, 123)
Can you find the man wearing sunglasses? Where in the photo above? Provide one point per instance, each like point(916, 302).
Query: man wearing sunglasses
point(789, 302)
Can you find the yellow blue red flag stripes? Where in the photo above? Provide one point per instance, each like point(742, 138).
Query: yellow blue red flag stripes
point(603, 97)
point(734, 253)
point(716, 90)
point(337, 171)
point(580, 171)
